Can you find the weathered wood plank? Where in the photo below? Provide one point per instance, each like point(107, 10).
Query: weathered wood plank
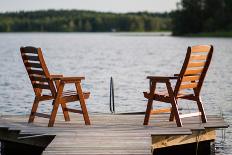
point(165, 141)
point(110, 134)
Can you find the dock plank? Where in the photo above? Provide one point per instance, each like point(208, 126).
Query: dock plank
point(108, 134)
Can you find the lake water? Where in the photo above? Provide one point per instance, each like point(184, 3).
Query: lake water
point(127, 57)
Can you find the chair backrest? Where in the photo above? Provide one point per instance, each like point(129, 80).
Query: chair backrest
point(194, 69)
point(37, 70)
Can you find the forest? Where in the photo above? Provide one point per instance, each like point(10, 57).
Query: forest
point(209, 17)
point(83, 21)
point(192, 17)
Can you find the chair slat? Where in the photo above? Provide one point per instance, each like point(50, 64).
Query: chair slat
point(42, 115)
point(30, 50)
point(196, 64)
point(33, 65)
point(187, 86)
point(30, 58)
point(201, 48)
point(38, 72)
point(190, 78)
point(193, 71)
point(40, 79)
point(41, 86)
point(198, 57)
point(74, 110)
point(163, 110)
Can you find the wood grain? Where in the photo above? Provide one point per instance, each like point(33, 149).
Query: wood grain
point(108, 134)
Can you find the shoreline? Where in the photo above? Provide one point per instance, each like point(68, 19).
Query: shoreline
point(155, 33)
point(218, 34)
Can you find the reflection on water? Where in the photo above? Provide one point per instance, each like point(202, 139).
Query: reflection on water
point(127, 58)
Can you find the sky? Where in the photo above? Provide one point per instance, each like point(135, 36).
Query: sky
point(118, 6)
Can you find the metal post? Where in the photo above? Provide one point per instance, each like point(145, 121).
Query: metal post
point(112, 107)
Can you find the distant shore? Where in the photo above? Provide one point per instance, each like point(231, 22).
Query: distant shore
point(83, 21)
point(211, 34)
point(140, 34)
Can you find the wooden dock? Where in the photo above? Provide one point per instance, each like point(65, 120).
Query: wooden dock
point(108, 134)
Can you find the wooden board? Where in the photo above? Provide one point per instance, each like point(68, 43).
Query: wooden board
point(108, 134)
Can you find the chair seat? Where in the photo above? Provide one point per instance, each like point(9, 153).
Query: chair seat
point(67, 93)
point(164, 96)
point(71, 93)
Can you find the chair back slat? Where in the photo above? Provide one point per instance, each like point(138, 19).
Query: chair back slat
point(198, 57)
point(189, 85)
point(196, 64)
point(30, 57)
point(33, 65)
point(190, 78)
point(38, 79)
point(41, 86)
point(200, 48)
point(194, 69)
point(35, 72)
point(29, 50)
point(37, 69)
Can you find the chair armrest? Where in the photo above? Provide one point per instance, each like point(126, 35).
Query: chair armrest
point(161, 78)
point(71, 79)
point(56, 76)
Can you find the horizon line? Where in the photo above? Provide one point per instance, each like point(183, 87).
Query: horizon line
point(36, 10)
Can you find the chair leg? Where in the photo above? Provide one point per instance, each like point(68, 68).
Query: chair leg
point(53, 114)
point(176, 113)
point(173, 102)
point(148, 112)
point(82, 103)
point(33, 110)
point(171, 118)
point(65, 112)
point(56, 105)
point(201, 109)
point(150, 103)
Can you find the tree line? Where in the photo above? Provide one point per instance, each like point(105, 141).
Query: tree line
point(190, 17)
point(82, 21)
point(202, 16)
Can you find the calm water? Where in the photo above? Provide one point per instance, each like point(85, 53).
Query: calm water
point(128, 58)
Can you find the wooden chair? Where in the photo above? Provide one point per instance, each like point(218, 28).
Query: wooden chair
point(42, 80)
point(190, 78)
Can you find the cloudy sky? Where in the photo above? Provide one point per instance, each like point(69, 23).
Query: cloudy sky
point(97, 5)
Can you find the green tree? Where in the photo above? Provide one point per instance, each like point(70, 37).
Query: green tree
point(87, 21)
point(188, 19)
point(87, 26)
point(196, 16)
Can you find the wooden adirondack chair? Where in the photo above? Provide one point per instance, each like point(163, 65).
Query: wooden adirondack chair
point(191, 77)
point(42, 80)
